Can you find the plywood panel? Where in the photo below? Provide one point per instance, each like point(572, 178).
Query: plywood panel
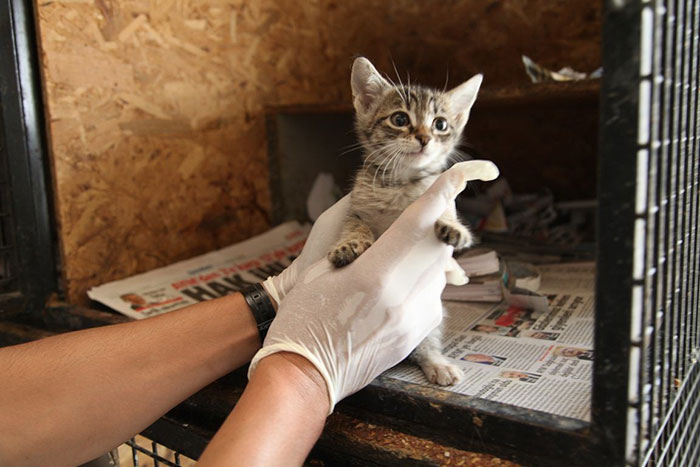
point(155, 107)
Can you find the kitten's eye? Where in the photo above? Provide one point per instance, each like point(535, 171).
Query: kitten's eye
point(399, 119)
point(440, 124)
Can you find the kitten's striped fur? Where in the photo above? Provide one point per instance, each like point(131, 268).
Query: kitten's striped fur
point(409, 134)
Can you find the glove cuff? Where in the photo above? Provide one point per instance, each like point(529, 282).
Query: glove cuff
point(271, 288)
point(304, 352)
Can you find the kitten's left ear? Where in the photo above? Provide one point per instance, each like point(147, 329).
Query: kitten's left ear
point(462, 97)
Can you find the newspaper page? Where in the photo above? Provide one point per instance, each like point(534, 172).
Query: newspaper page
point(204, 277)
point(537, 360)
point(540, 360)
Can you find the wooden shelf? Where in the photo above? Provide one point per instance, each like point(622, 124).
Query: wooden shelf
point(540, 93)
point(546, 93)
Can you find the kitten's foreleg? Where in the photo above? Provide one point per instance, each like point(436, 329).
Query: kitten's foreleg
point(436, 367)
point(354, 240)
point(451, 231)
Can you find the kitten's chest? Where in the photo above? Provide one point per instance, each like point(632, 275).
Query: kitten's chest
point(380, 206)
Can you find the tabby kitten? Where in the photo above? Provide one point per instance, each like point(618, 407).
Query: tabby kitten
point(408, 134)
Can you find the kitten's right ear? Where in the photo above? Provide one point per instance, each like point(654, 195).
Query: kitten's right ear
point(367, 84)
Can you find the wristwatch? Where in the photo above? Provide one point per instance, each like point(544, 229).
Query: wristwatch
point(261, 306)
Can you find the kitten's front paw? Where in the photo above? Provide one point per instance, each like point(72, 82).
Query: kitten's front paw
point(454, 234)
point(345, 253)
point(444, 374)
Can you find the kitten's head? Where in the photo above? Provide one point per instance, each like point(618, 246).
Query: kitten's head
point(407, 130)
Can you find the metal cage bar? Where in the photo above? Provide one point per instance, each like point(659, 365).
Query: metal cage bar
point(613, 384)
point(152, 453)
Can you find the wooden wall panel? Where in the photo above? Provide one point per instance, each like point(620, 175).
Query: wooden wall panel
point(155, 107)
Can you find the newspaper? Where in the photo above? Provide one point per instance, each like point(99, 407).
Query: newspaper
point(537, 360)
point(540, 360)
point(204, 277)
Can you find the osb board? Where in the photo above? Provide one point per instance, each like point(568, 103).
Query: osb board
point(155, 108)
point(387, 446)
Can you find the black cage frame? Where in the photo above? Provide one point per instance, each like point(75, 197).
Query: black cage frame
point(645, 391)
point(27, 246)
point(645, 388)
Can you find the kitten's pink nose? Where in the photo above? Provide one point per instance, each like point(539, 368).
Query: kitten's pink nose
point(423, 138)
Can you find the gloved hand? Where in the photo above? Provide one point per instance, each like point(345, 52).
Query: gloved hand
point(355, 322)
point(324, 234)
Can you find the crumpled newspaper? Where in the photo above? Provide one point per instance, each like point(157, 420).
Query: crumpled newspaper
point(538, 73)
point(535, 216)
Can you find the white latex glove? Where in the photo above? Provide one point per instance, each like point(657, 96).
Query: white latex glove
point(355, 322)
point(324, 234)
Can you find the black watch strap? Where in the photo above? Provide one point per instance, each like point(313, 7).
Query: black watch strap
point(261, 306)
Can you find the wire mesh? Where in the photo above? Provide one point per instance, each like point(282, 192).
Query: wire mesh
point(664, 376)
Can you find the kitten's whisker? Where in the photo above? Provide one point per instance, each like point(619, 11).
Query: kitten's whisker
point(454, 158)
point(401, 90)
point(385, 163)
point(374, 177)
point(369, 158)
point(386, 166)
point(398, 90)
point(394, 155)
point(368, 144)
point(402, 93)
point(461, 155)
point(402, 155)
point(402, 161)
point(356, 146)
point(447, 78)
point(397, 165)
point(393, 150)
point(380, 148)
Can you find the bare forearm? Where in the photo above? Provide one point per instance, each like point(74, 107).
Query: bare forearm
point(80, 394)
point(277, 420)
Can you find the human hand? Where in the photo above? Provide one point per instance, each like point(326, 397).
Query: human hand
point(323, 235)
point(353, 323)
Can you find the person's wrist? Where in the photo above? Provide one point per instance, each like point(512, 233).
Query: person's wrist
point(297, 372)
